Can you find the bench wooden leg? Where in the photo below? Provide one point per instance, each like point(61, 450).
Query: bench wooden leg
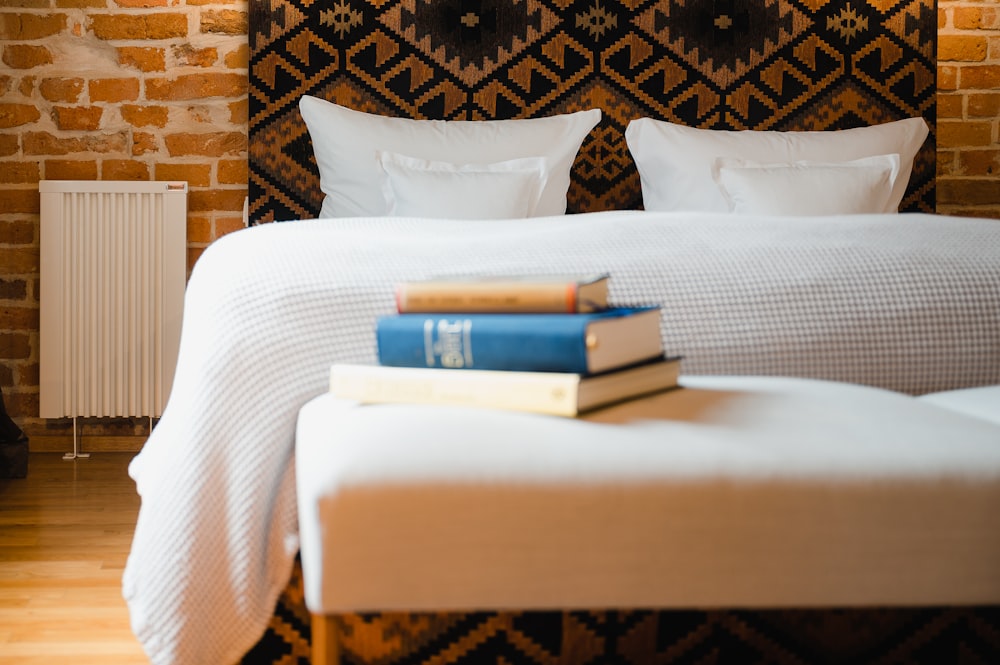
point(325, 648)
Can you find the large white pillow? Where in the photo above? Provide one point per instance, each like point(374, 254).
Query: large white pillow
point(344, 143)
point(416, 187)
point(675, 162)
point(808, 188)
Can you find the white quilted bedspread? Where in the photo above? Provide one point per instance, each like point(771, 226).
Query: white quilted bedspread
point(909, 303)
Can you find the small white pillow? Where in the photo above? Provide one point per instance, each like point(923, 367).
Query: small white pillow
point(675, 162)
point(344, 143)
point(808, 188)
point(425, 188)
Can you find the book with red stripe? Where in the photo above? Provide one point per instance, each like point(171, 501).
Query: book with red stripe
point(505, 293)
point(584, 343)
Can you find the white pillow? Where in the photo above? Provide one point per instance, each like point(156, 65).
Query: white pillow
point(808, 188)
point(425, 188)
point(675, 162)
point(344, 143)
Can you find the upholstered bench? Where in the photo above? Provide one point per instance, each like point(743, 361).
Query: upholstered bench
point(728, 492)
point(981, 402)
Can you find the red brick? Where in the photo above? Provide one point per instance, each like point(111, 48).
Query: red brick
point(239, 112)
point(27, 375)
point(967, 18)
point(26, 4)
point(80, 4)
point(238, 59)
point(143, 143)
point(946, 162)
point(16, 115)
point(15, 346)
point(224, 21)
point(18, 173)
point(990, 19)
point(212, 145)
point(144, 116)
point(70, 169)
point(968, 191)
point(113, 90)
point(124, 169)
point(981, 77)
point(185, 54)
point(19, 318)
point(19, 260)
point(966, 48)
point(194, 253)
point(983, 213)
point(86, 118)
point(224, 225)
point(216, 200)
point(983, 105)
point(949, 106)
point(22, 404)
point(61, 89)
point(24, 27)
point(233, 172)
point(12, 289)
point(17, 232)
point(197, 86)
point(952, 134)
point(44, 143)
point(141, 3)
point(143, 58)
point(979, 162)
point(199, 229)
point(9, 145)
point(26, 56)
point(947, 77)
point(195, 175)
point(159, 25)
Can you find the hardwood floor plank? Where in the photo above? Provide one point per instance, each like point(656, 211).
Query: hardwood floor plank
point(65, 534)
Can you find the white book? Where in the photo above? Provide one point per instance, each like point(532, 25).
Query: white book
point(556, 393)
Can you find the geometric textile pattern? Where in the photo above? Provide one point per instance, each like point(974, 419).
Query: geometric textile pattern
point(287, 638)
point(932, 636)
point(715, 64)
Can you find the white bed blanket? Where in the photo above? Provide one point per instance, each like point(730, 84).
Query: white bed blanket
point(908, 302)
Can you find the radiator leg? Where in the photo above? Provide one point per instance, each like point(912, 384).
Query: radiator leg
point(76, 447)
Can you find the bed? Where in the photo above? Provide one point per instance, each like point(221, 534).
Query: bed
point(907, 302)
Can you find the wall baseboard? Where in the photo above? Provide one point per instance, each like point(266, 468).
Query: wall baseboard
point(87, 444)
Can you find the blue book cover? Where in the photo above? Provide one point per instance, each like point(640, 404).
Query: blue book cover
point(583, 343)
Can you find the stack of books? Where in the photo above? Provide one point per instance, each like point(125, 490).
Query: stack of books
point(546, 344)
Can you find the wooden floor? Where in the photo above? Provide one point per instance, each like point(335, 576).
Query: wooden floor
point(65, 532)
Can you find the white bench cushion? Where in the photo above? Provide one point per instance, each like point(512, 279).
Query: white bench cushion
point(734, 491)
point(981, 402)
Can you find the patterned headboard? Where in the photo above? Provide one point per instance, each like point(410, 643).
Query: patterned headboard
point(719, 64)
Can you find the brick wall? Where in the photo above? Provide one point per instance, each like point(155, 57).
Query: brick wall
point(157, 89)
point(968, 108)
point(111, 90)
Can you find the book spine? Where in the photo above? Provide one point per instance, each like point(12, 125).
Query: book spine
point(425, 298)
point(554, 394)
point(555, 343)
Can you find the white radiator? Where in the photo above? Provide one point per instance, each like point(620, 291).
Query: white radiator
point(113, 273)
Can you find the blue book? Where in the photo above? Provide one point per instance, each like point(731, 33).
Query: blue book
point(582, 343)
